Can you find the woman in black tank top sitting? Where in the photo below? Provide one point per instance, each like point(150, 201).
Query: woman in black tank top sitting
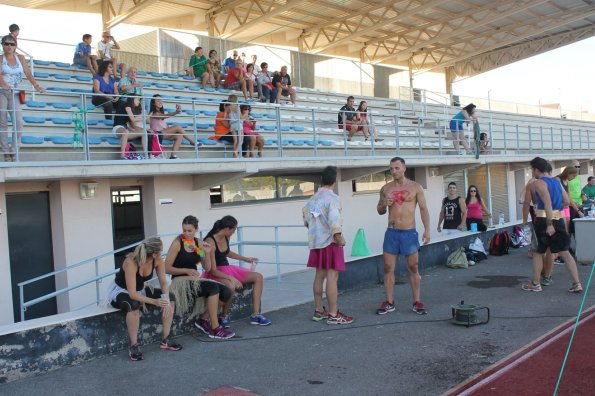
point(184, 254)
point(128, 291)
point(233, 276)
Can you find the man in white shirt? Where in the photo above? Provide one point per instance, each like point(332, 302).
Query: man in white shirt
point(104, 53)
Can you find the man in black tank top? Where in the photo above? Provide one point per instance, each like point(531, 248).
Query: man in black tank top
point(453, 211)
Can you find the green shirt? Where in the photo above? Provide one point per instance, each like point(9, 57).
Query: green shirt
point(589, 191)
point(574, 190)
point(199, 65)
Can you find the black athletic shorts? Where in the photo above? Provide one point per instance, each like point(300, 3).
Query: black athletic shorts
point(558, 242)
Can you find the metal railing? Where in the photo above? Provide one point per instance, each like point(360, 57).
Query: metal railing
point(276, 242)
point(291, 131)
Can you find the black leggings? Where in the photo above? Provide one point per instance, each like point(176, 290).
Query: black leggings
point(209, 288)
point(107, 104)
point(125, 303)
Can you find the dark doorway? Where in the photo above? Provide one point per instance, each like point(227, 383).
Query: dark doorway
point(30, 251)
point(127, 220)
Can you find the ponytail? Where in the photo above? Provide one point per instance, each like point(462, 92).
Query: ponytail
point(224, 222)
point(146, 248)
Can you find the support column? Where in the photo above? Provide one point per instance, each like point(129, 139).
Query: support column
point(489, 193)
point(449, 76)
point(105, 14)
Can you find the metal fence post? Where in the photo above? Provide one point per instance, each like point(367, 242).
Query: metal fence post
point(194, 128)
point(85, 136)
point(504, 134)
point(279, 134)
point(15, 134)
point(314, 132)
point(22, 302)
point(240, 234)
point(397, 142)
point(277, 256)
point(97, 281)
point(419, 121)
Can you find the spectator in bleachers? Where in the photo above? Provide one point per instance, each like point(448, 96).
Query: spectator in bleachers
point(128, 293)
point(352, 122)
point(252, 139)
point(236, 79)
point(361, 117)
point(197, 67)
point(214, 67)
point(128, 123)
point(14, 30)
point(104, 83)
point(256, 67)
point(282, 82)
point(250, 80)
point(457, 128)
point(128, 84)
point(158, 125)
point(230, 63)
point(225, 129)
point(233, 276)
point(192, 291)
point(104, 53)
point(83, 56)
point(266, 90)
point(12, 68)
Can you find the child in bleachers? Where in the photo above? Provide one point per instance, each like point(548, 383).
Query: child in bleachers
point(128, 123)
point(252, 139)
point(104, 53)
point(83, 57)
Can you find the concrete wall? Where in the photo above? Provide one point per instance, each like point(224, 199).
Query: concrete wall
point(6, 315)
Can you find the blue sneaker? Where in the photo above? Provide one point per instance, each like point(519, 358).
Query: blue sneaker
point(259, 320)
point(224, 321)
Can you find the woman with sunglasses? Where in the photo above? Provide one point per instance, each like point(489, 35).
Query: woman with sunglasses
point(13, 67)
point(104, 84)
point(475, 209)
point(252, 139)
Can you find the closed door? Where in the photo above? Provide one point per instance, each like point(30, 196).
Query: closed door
point(30, 251)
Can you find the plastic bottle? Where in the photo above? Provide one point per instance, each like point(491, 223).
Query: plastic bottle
point(501, 219)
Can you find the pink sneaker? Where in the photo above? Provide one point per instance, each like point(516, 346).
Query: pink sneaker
point(221, 333)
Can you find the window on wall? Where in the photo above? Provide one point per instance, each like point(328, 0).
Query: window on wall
point(375, 181)
point(263, 188)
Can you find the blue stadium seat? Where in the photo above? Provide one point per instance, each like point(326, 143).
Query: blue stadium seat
point(257, 115)
point(285, 128)
point(270, 142)
point(172, 76)
point(268, 127)
point(31, 103)
point(202, 126)
point(62, 64)
point(60, 121)
point(167, 142)
point(270, 116)
point(203, 100)
point(309, 142)
point(41, 62)
point(61, 105)
point(34, 120)
point(32, 140)
point(114, 141)
point(89, 106)
point(192, 112)
point(141, 73)
point(298, 143)
point(41, 75)
point(222, 90)
point(208, 142)
point(156, 74)
point(193, 89)
point(210, 113)
point(161, 85)
point(108, 122)
point(298, 128)
point(178, 86)
point(61, 140)
point(92, 122)
point(77, 90)
point(62, 76)
point(83, 78)
point(187, 78)
point(209, 89)
point(325, 142)
point(182, 124)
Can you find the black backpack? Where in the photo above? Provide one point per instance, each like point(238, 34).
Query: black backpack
point(500, 243)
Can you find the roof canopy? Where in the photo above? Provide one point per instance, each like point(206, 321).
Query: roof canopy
point(463, 37)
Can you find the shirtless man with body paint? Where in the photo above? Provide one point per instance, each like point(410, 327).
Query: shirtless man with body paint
point(400, 197)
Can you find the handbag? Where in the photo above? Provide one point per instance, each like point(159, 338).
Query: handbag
point(22, 97)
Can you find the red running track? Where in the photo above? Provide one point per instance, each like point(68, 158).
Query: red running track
point(534, 369)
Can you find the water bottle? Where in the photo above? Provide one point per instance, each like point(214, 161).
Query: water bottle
point(501, 219)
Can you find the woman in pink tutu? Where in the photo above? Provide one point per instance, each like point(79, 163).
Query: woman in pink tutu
point(233, 276)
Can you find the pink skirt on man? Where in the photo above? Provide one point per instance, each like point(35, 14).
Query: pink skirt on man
point(330, 257)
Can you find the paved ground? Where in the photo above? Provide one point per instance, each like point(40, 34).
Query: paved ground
point(400, 353)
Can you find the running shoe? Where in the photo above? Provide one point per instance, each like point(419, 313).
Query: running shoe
point(419, 308)
point(170, 344)
point(559, 261)
point(221, 333)
point(339, 319)
point(385, 308)
point(259, 320)
point(135, 353)
point(203, 325)
point(532, 287)
point(224, 321)
point(546, 281)
point(576, 288)
point(320, 315)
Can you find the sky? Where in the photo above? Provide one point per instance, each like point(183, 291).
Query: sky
point(565, 75)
